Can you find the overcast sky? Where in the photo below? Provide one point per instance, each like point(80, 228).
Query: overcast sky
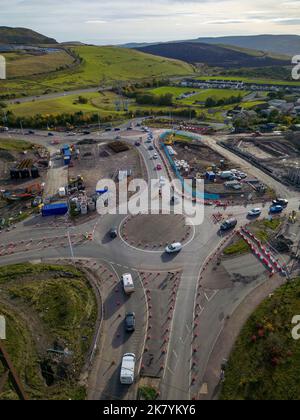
point(120, 21)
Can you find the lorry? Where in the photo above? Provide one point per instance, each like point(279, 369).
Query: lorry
point(127, 369)
point(57, 209)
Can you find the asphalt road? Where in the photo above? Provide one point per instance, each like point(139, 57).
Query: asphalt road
point(176, 383)
point(55, 95)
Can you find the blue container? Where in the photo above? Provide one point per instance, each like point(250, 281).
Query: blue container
point(57, 209)
point(67, 160)
point(211, 176)
point(65, 147)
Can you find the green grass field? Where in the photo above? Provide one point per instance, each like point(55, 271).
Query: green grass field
point(249, 80)
point(11, 145)
point(100, 65)
point(104, 105)
point(201, 95)
point(265, 362)
point(237, 248)
point(216, 94)
point(24, 65)
point(62, 309)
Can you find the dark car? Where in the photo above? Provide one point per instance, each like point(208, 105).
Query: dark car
point(228, 224)
point(151, 148)
point(117, 129)
point(50, 134)
point(86, 133)
point(276, 209)
point(280, 202)
point(130, 322)
point(113, 233)
point(137, 143)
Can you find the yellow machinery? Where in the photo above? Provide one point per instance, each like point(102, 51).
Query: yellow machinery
point(293, 217)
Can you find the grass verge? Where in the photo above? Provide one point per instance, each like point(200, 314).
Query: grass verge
point(51, 312)
point(265, 362)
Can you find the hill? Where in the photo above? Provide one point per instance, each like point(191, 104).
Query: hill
point(213, 55)
point(279, 44)
point(23, 36)
point(104, 65)
point(287, 45)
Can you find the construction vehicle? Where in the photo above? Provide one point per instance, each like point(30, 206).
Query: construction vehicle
point(293, 217)
point(76, 184)
point(23, 194)
point(169, 142)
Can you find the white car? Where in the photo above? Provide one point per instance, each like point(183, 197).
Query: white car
point(155, 156)
point(254, 213)
point(173, 248)
point(127, 369)
point(162, 181)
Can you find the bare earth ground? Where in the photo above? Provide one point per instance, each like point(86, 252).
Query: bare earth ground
point(202, 158)
point(98, 162)
point(155, 231)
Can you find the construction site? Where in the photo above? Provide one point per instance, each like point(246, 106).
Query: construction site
point(94, 161)
point(22, 178)
point(193, 159)
point(278, 154)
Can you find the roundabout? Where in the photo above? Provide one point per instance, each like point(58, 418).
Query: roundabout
point(155, 232)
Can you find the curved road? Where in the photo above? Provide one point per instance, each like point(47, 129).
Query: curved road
point(176, 383)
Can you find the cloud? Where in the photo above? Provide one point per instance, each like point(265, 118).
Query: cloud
point(112, 21)
point(92, 22)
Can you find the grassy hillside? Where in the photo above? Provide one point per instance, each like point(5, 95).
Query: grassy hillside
point(99, 65)
point(212, 55)
point(265, 363)
point(47, 307)
point(67, 104)
point(279, 44)
point(20, 64)
point(256, 53)
point(23, 36)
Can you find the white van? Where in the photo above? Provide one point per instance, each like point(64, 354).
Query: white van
point(127, 369)
point(162, 181)
point(128, 284)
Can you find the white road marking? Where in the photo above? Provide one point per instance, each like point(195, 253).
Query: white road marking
point(170, 370)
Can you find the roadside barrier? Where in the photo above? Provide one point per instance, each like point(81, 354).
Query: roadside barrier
point(268, 258)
